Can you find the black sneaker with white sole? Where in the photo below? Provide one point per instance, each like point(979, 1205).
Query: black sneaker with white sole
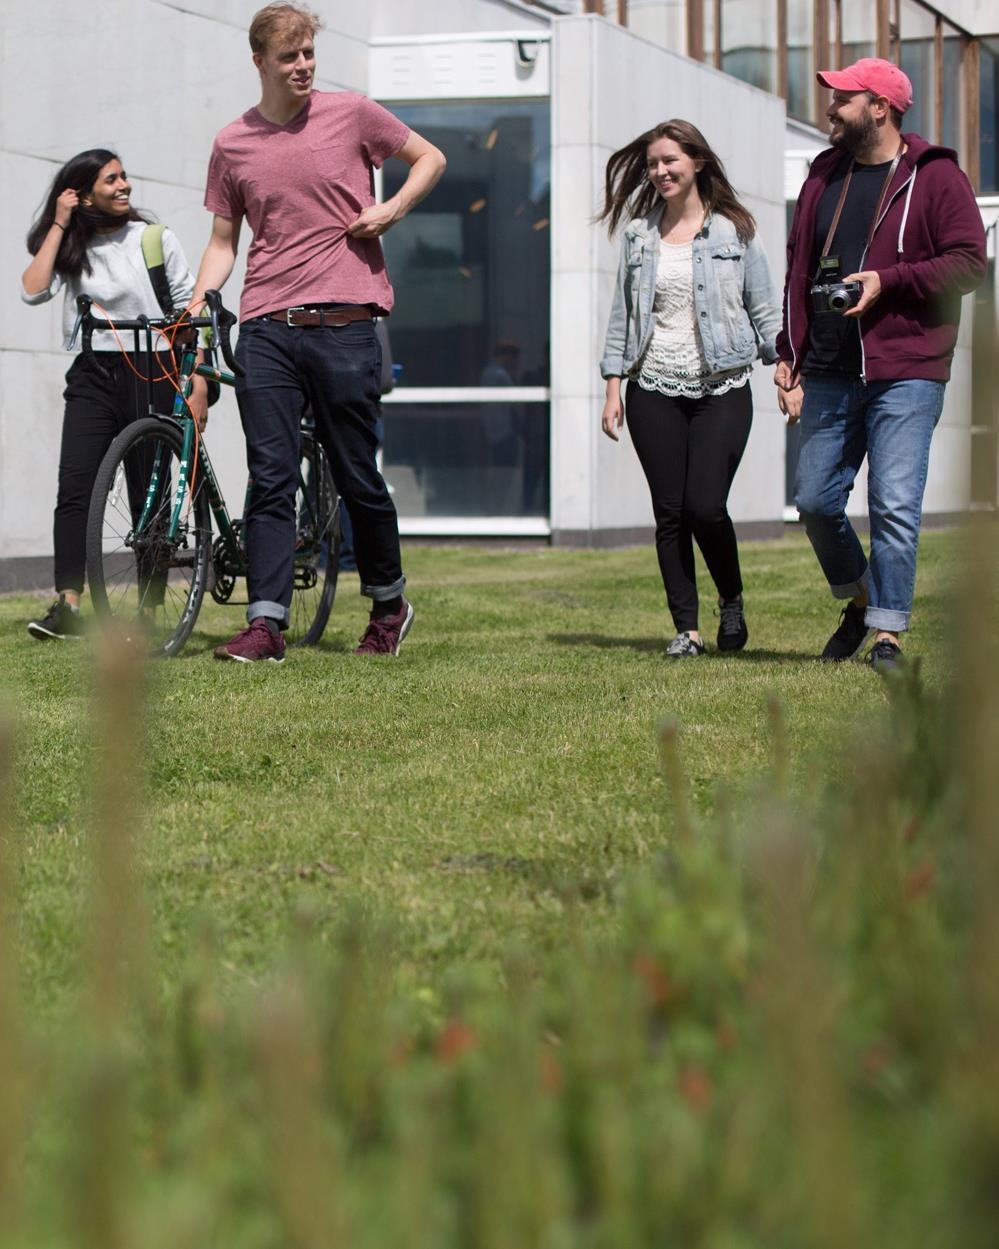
point(884, 656)
point(849, 637)
point(61, 623)
point(732, 632)
point(684, 646)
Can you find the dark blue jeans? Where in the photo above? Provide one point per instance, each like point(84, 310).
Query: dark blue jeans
point(336, 369)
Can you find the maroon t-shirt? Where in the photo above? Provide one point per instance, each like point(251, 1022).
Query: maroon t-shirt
point(299, 187)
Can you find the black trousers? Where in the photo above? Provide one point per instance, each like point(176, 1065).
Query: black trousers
point(689, 450)
point(336, 369)
point(97, 410)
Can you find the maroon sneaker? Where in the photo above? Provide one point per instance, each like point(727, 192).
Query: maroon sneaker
point(384, 634)
point(256, 642)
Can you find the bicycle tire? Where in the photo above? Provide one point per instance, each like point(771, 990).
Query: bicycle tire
point(317, 546)
point(147, 582)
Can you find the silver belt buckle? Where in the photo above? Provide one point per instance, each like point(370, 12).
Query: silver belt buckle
point(289, 311)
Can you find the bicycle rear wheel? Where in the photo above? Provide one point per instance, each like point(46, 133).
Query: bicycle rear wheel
point(317, 546)
point(137, 575)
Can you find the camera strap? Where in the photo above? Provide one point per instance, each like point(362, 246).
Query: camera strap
point(877, 212)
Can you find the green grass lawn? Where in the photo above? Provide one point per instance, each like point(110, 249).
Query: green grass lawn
point(504, 769)
point(427, 954)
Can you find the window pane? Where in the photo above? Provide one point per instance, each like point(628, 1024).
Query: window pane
point(708, 9)
point(952, 84)
point(749, 41)
point(470, 265)
point(988, 114)
point(800, 62)
point(660, 21)
point(858, 20)
point(475, 459)
point(916, 29)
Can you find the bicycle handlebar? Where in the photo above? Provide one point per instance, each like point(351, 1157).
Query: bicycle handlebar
point(219, 320)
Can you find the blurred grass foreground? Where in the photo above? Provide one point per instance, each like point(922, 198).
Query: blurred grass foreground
point(785, 1036)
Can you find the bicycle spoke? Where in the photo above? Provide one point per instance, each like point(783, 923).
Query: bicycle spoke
point(137, 573)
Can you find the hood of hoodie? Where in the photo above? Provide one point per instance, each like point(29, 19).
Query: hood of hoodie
point(917, 155)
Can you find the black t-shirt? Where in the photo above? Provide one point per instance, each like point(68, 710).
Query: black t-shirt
point(834, 340)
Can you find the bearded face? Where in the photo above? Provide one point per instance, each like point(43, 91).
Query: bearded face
point(853, 126)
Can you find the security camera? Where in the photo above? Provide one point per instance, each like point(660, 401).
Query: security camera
point(527, 51)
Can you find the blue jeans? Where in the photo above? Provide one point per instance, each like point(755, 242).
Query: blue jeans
point(336, 369)
point(842, 420)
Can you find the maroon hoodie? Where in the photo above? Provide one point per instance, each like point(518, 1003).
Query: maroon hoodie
point(928, 250)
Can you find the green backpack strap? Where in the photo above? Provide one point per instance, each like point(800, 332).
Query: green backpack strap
point(152, 253)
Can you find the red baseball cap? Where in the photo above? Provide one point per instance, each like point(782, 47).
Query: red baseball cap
point(871, 74)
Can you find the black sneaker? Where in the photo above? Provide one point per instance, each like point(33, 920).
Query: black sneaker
point(849, 637)
point(884, 656)
point(732, 632)
point(60, 622)
point(684, 646)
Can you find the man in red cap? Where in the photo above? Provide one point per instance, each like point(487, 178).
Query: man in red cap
point(886, 238)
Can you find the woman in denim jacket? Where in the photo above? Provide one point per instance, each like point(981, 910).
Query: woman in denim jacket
point(693, 308)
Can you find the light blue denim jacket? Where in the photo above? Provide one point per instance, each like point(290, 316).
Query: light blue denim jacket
point(737, 312)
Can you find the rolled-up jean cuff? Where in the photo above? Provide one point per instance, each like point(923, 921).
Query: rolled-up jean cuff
point(382, 593)
point(273, 611)
point(852, 588)
point(883, 618)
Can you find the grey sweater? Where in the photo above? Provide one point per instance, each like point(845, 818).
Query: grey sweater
point(119, 282)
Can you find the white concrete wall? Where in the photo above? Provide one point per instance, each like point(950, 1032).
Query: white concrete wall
point(608, 86)
point(154, 82)
point(977, 17)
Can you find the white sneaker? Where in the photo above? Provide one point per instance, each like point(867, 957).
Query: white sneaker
point(684, 646)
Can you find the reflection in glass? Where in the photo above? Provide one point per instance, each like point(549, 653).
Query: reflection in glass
point(471, 264)
point(950, 133)
point(916, 30)
point(858, 30)
point(800, 62)
point(749, 41)
point(988, 115)
point(474, 459)
point(660, 21)
point(708, 35)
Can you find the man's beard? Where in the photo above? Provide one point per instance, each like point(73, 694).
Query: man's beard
point(857, 137)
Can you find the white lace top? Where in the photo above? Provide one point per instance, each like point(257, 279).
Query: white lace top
point(674, 362)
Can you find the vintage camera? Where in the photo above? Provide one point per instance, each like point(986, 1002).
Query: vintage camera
point(830, 293)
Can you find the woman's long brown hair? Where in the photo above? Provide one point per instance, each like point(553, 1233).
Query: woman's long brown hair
point(629, 193)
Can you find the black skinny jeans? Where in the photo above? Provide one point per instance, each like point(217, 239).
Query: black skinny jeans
point(689, 450)
point(336, 369)
point(97, 410)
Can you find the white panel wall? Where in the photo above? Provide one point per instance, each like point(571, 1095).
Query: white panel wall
point(608, 86)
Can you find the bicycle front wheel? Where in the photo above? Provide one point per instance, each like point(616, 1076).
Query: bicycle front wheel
point(138, 575)
point(317, 546)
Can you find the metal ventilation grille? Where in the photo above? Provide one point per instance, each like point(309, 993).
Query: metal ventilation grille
point(473, 68)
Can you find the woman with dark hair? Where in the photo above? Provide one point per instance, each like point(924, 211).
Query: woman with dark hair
point(693, 308)
point(88, 240)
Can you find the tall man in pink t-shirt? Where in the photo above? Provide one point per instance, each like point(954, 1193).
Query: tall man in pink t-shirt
point(298, 168)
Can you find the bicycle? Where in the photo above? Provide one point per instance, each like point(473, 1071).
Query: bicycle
point(150, 550)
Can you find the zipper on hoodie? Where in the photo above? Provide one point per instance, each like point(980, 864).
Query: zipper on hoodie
point(863, 260)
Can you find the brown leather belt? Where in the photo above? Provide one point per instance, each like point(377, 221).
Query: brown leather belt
point(304, 315)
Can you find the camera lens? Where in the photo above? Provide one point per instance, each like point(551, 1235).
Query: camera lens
point(839, 301)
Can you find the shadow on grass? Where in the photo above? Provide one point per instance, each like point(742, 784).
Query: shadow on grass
point(658, 645)
point(543, 875)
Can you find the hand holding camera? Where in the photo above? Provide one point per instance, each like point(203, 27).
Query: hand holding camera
point(849, 296)
point(833, 293)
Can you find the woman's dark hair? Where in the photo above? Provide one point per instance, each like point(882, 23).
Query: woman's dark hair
point(78, 174)
point(629, 193)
